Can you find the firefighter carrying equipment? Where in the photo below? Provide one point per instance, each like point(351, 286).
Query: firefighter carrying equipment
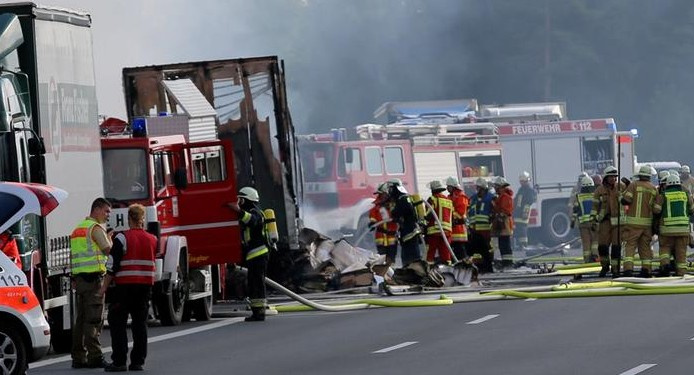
point(441, 207)
point(85, 255)
point(271, 225)
point(418, 204)
point(249, 193)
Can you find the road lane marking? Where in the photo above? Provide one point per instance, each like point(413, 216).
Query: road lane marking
point(638, 369)
point(167, 336)
point(399, 346)
point(483, 319)
point(530, 299)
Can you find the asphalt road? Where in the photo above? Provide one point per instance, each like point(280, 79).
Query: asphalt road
point(607, 335)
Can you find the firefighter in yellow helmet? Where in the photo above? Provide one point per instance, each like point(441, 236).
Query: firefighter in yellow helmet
point(582, 208)
point(256, 249)
point(606, 211)
point(639, 198)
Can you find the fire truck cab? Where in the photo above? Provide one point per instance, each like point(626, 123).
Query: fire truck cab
point(185, 187)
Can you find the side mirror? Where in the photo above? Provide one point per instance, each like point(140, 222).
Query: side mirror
point(180, 179)
point(36, 146)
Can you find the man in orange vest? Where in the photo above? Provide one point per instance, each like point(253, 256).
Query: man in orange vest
point(385, 228)
point(442, 207)
point(461, 202)
point(502, 226)
point(131, 266)
point(8, 245)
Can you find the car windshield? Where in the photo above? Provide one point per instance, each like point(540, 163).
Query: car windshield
point(125, 174)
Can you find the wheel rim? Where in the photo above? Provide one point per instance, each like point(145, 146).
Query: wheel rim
point(178, 294)
point(560, 225)
point(8, 354)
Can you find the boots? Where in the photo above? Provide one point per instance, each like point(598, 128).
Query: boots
point(628, 273)
point(257, 316)
point(603, 270)
point(645, 273)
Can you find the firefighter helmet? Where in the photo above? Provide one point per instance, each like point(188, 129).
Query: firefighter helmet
point(524, 176)
point(481, 183)
point(673, 180)
point(583, 174)
point(587, 181)
point(452, 182)
point(249, 193)
point(685, 169)
point(611, 171)
point(500, 181)
point(394, 182)
point(674, 171)
point(436, 185)
point(645, 171)
point(662, 176)
point(382, 188)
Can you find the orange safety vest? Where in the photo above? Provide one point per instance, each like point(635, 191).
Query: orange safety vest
point(444, 210)
point(385, 234)
point(461, 203)
point(137, 264)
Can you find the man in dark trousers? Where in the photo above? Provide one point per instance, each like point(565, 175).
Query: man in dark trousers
point(256, 251)
point(408, 230)
point(131, 266)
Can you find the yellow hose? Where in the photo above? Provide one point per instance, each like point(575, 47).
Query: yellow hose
point(442, 301)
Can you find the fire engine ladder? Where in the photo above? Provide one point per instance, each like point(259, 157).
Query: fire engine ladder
point(432, 134)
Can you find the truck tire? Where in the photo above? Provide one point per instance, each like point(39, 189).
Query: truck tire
point(170, 302)
point(13, 351)
point(202, 309)
point(556, 224)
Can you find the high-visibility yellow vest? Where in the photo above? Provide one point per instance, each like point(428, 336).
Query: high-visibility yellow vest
point(675, 219)
point(585, 204)
point(85, 255)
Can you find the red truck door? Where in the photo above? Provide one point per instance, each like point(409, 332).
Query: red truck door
point(210, 226)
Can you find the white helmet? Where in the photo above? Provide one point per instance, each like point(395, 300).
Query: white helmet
point(611, 171)
point(524, 176)
point(685, 169)
point(394, 182)
point(249, 193)
point(453, 182)
point(436, 185)
point(675, 172)
point(500, 181)
point(481, 182)
point(583, 174)
point(645, 171)
point(673, 180)
point(662, 176)
point(587, 181)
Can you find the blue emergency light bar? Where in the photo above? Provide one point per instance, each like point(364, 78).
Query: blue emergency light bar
point(139, 127)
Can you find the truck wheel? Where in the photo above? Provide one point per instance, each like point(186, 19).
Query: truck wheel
point(202, 309)
point(556, 225)
point(13, 353)
point(174, 294)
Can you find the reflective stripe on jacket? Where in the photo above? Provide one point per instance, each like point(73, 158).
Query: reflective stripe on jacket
point(640, 196)
point(85, 255)
point(480, 209)
point(461, 203)
point(675, 218)
point(443, 207)
point(253, 234)
point(385, 233)
point(137, 264)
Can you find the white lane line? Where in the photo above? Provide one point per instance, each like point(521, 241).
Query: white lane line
point(530, 299)
point(638, 369)
point(168, 336)
point(395, 347)
point(483, 319)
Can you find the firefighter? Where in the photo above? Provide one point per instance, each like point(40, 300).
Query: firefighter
point(131, 266)
point(687, 184)
point(385, 230)
point(8, 245)
point(675, 204)
point(575, 189)
point(408, 226)
point(89, 247)
point(662, 180)
point(461, 203)
point(441, 213)
point(256, 248)
point(502, 209)
point(639, 197)
point(525, 198)
point(480, 225)
point(606, 210)
point(586, 225)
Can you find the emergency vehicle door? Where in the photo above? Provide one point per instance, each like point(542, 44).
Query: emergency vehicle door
point(210, 226)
